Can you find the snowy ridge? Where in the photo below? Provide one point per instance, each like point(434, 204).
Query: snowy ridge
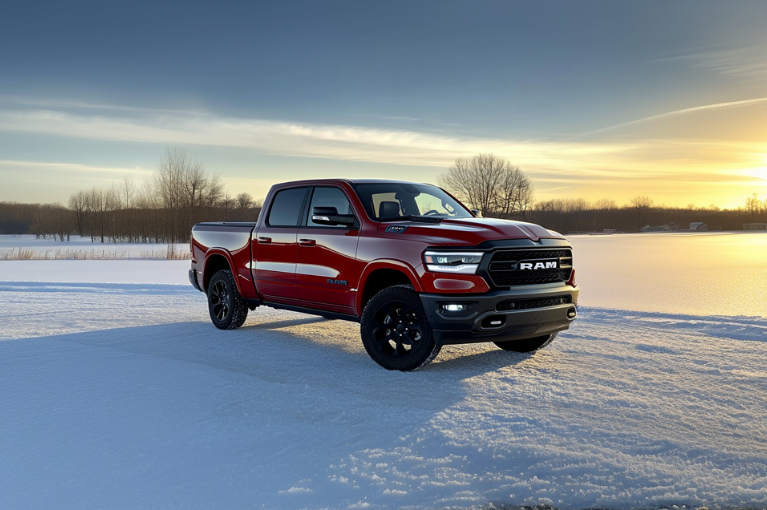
point(734, 327)
point(112, 387)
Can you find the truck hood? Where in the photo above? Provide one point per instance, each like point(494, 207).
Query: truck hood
point(469, 231)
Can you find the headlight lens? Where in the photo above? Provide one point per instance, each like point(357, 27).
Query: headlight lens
point(452, 262)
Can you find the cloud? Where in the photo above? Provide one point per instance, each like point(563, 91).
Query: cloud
point(586, 167)
point(675, 113)
point(74, 168)
point(400, 147)
point(746, 62)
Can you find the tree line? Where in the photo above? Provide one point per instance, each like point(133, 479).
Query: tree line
point(501, 190)
point(180, 193)
point(578, 215)
point(162, 209)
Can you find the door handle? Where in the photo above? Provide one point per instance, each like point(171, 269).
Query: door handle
point(307, 242)
point(264, 240)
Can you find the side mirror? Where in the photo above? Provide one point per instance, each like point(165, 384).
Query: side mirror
point(477, 212)
point(329, 216)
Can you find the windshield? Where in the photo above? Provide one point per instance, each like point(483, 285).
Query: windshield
point(396, 200)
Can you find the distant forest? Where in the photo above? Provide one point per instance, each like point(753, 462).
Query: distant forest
point(166, 206)
point(162, 210)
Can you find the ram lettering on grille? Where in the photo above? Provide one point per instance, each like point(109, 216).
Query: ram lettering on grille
point(538, 265)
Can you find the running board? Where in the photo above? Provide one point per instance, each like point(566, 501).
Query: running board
point(314, 311)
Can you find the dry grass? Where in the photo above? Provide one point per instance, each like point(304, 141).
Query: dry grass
point(171, 253)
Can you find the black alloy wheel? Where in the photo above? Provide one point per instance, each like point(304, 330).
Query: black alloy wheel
point(227, 308)
point(395, 331)
point(219, 300)
point(399, 329)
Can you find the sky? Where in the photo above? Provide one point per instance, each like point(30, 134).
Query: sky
point(592, 99)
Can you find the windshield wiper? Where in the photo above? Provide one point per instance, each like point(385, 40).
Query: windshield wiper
point(414, 217)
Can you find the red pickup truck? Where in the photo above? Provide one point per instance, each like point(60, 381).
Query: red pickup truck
point(409, 262)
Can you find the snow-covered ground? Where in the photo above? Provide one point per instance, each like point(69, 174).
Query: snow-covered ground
point(119, 393)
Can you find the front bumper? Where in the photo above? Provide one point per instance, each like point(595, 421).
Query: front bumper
point(481, 322)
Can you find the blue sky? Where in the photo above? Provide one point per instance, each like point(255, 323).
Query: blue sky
point(264, 92)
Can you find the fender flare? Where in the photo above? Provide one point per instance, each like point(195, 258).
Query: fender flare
point(228, 256)
point(385, 264)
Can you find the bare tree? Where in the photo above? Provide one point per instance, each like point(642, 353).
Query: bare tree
point(642, 204)
point(127, 190)
point(605, 204)
point(753, 205)
point(77, 203)
point(491, 184)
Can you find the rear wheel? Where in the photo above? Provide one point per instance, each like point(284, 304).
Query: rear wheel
point(227, 308)
point(395, 330)
point(528, 344)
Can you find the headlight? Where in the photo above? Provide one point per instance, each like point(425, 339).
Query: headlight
point(452, 262)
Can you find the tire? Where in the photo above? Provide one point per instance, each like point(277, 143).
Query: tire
point(227, 308)
point(395, 330)
point(528, 344)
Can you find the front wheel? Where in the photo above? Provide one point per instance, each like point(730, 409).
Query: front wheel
point(528, 344)
point(227, 308)
point(395, 330)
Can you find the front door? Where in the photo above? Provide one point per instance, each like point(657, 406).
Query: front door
point(274, 246)
point(327, 269)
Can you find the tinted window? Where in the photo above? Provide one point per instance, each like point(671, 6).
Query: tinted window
point(286, 208)
point(329, 197)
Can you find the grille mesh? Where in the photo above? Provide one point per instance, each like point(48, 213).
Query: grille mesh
point(501, 268)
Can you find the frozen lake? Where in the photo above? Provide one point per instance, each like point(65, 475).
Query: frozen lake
point(716, 273)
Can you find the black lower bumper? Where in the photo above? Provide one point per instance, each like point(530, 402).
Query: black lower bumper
point(492, 317)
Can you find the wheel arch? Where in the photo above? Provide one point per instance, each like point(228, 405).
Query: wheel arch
point(381, 274)
point(217, 259)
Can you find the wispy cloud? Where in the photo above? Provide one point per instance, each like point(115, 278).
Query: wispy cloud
point(580, 166)
point(745, 62)
point(75, 168)
point(675, 113)
point(402, 147)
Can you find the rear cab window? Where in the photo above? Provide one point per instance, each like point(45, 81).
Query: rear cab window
point(286, 208)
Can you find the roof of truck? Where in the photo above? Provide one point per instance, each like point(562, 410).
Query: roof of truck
point(350, 181)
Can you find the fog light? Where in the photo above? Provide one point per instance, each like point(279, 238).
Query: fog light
point(456, 309)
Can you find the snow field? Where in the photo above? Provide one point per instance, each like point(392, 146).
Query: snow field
point(123, 395)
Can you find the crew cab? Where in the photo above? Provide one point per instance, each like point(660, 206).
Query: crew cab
point(408, 261)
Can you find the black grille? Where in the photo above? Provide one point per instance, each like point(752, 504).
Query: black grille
point(502, 269)
point(500, 256)
point(526, 304)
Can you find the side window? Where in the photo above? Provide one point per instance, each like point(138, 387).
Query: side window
point(329, 197)
point(286, 208)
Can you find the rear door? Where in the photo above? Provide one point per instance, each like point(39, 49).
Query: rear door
point(327, 269)
point(274, 245)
